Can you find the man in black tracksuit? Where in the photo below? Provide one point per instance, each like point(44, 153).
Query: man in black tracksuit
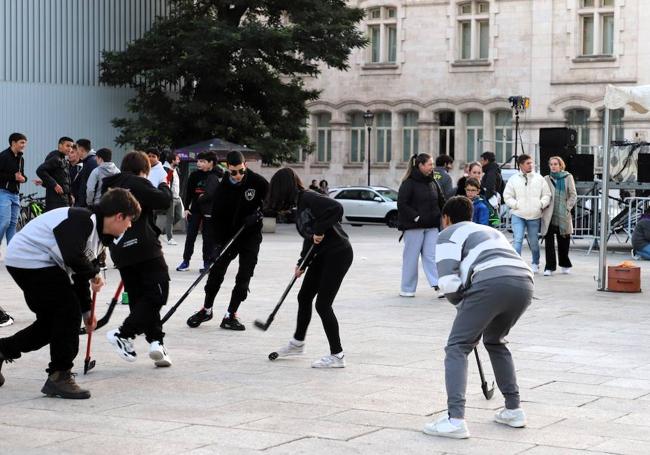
point(54, 261)
point(194, 214)
point(139, 258)
point(238, 202)
point(55, 175)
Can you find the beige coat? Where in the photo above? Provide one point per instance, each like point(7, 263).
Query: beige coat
point(571, 199)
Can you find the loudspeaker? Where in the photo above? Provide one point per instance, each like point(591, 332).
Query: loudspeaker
point(545, 153)
point(582, 167)
point(557, 137)
point(643, 167)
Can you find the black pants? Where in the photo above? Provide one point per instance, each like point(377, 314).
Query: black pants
point(323, 280)
point(563, 243)
point(147, 285)
point(50, 295)
point(194, 223)
point(247, 248)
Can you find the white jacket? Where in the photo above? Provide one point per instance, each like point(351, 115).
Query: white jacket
point(527, 195)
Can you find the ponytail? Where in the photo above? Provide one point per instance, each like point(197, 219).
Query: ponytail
point(414, 161)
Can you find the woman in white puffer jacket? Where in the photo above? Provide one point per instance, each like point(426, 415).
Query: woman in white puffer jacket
point(527, 194)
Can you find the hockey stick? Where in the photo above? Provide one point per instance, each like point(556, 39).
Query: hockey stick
point(173, 309)
point(488, 393)
point(111, 306)
point(265, 325)
point(90, 364)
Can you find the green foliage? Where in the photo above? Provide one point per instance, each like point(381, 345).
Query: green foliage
point(231, 69)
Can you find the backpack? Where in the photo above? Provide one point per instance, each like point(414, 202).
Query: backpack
point(494, 219)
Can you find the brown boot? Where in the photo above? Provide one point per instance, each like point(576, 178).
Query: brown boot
point(62, 384)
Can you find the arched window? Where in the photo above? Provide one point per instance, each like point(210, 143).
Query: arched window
point(323, 138)
point(474, 135)
point(503, 135)
point(382, 34)
point(410, 135)
point(357, 138)
point(578, 119)
point(447, 120)
point(383, 137)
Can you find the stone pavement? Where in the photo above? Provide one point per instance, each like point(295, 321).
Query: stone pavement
point(583, 360)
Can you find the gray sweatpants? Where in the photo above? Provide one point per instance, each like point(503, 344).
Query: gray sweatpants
point(490, 309)
point(419, 243)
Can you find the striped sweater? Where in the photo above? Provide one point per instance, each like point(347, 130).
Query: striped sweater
point(468, 252)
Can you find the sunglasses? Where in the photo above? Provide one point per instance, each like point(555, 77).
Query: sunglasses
point(238, 171)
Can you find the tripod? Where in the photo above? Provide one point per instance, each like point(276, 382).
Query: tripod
point(515, 155)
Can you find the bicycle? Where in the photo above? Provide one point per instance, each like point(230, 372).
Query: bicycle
point(30, 208)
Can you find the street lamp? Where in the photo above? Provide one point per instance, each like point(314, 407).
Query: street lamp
point(368, 118)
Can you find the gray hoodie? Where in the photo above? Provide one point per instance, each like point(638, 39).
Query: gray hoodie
point(94, 185)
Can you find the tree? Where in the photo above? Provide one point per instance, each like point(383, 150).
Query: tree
point(231, 69)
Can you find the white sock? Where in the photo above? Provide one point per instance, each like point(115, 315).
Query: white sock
point(207, 310)
point(227, 315)
point(340, 355)
point(456, 422)
point(297, 342)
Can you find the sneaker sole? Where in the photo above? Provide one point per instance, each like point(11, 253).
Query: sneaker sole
point(446, 435)
point(7, 323)
point(159, 359)
point(236, 329)
point(510, 423)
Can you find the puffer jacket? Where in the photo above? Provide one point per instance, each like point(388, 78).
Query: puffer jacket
point(527, 195)
point(418, 197)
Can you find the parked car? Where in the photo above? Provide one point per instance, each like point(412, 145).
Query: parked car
point(367, 204)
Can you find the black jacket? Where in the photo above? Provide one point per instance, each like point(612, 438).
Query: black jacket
point(233, 203)
point(320, 215)
point(195, 188)
point(9, 165)
point(140, 242)
point(492, 182)
point(210, 185)
point(89, 163)
point(53, 171)
point(418, 197)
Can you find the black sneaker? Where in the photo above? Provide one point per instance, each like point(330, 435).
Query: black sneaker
point(199, 317)
point(206, 266)
point(232, 323)
point(5, 319)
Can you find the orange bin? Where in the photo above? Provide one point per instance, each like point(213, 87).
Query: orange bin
point(623, 279)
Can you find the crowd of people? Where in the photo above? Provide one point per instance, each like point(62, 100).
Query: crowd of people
point(93, 206)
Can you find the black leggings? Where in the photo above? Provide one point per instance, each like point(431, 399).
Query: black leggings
point(563, 244)
point(323, 280)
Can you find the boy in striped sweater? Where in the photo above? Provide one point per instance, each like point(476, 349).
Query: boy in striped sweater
point(491, 286)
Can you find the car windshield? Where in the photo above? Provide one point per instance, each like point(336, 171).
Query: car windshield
point(391, 195)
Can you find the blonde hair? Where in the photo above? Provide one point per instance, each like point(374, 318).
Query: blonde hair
point(559, 160)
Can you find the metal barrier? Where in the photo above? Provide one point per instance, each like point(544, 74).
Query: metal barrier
point(637, 207)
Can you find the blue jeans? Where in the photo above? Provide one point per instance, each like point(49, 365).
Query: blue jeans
point(519, 228)
point(9, 210)
point(644, 252)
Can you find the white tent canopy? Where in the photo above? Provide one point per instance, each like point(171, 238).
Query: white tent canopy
point(638, 98)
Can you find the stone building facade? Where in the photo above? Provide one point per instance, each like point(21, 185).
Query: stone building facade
point(437, 76)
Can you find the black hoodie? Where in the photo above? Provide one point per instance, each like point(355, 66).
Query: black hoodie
point(234, 202)
point(140, 242)
point(418, 197)
point(492, 182)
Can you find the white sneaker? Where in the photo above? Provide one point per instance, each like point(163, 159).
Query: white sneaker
point(329, 361)
point(158, 354)
point(443, 427)
point(123, 346)
point(290, 349)
point(535, 268)
point(406, 294)
point(566, 270)
point(548, 272)
point(172, 242)
point(515, 418)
